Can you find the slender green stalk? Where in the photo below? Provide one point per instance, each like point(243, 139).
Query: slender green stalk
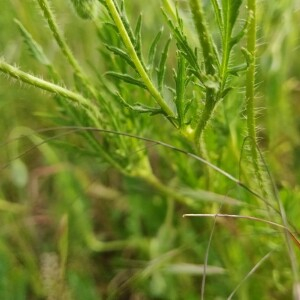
point(49, 16)
point(250, 84)
point(50, 87)
point(138, 64)
point(250, 98)
point(204, 119)
point(225, 56)
point(208, 53)
point(45, 7)
point(204, 37)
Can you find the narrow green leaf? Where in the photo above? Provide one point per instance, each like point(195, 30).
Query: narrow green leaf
point(241, 67)
point(230, 13)
point(225, 92)
point(127, 78)
point(218, 14)
point(204, 36)
point(138, 37)
point(121, 53)
point(146, 109)
point(153, 47)
point(230, 10)
point(187, 106)
point(238, 68)
point(248, 56)
point(34, 48)
point(234, 40)
point(125, 21)
point(180, 87)
point(141, 108)
point(112, 26)
point(184, 47)
point(162, 65)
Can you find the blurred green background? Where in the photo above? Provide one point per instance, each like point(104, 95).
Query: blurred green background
point(72, 227)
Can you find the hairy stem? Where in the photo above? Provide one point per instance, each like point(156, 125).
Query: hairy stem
point(250, 97)
point(45, 7)
point(203, 35)
point(50, 87)
point(250, 85)
point(208, 53)
point(204, 119)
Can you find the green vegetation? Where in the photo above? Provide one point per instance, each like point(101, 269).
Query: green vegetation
point(121, 117)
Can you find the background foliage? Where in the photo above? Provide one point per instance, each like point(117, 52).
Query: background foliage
point(91, 215)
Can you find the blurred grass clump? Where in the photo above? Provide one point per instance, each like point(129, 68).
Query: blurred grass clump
point(89, 213)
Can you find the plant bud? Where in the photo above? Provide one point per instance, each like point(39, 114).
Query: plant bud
point(86, 9)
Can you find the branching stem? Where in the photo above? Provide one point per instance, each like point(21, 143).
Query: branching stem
point(138, 64)
point(45, 7)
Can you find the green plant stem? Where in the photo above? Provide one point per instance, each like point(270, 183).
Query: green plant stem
point(250, 84)
point(205, 117)
point(250, 97)
point(208, 53)
point(169, 8)
point(49, 16)
point(44, 5)
point(200, 142)
point(138, 64)
point(225, 57)
point(50, 87)
point(204, 37)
